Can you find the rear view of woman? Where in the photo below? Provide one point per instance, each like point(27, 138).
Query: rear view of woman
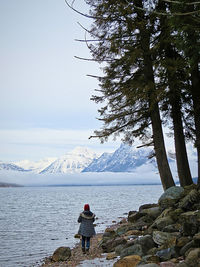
point(86, 229)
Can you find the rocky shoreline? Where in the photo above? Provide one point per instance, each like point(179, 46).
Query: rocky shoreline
point(165, 234)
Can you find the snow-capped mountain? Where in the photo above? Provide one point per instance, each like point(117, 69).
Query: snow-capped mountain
point(11, 167)
point(72, 162)
point(35, 166)
point(125, 159)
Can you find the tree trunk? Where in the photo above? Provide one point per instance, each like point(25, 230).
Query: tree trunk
point(184, 174)
point(158, 139)
point(183, 167)
point(159, 146)
point(196, 106)
point(172, 70)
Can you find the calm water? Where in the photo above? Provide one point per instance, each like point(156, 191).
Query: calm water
point(34, 221)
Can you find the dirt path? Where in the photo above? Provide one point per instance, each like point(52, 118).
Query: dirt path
point(77, 254)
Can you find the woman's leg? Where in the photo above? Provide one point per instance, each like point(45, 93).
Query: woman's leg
point(83, 243)
point(87, 243)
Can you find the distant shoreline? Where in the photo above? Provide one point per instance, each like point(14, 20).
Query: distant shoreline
point(2, 184)
point(73, 185)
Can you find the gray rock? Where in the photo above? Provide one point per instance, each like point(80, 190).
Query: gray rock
point(153, 212)
point(173, 192)
point(161, 223)
point(119, 248)
point(110, 245)
point(134, 216)
point(133, 250)
point(170, 196)
point(190, 199)
point(146, 242)
point(172, 228)
point(147, 206)
point(161, 237)
point(61, 254)
point(190, 222)
point(166, 254)
point(121, 230)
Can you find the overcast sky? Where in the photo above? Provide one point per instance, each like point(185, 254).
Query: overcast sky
point(45, 107)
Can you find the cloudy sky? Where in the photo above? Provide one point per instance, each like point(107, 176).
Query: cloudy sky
point(45, 107)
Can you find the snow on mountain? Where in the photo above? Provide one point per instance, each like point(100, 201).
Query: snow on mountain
point(98, 164)
point(35, 166)
point(72, 162)
point(125, 159)
point(11, 167)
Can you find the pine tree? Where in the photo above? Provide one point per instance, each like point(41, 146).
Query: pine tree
point(173, 82)
point(123, 34)
point(187, 28)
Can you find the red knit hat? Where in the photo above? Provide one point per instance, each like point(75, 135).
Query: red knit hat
point(86, 207)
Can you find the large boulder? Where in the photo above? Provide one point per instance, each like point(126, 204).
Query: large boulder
point(161, 238)
point(166, 254)
point(61, 254)
point(170, 196)
point(109, 245)
point(133, 216)
point(189, 200)
point(132, 250)
point(152, 212)
point(161, 223)
point(146, 242)
point(190, 222)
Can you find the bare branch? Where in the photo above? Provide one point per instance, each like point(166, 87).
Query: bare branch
point(148, 144)
point(94, 76)
point(77, 11)
point(95, 60)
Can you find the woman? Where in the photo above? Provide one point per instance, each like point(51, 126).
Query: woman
point(86, 229)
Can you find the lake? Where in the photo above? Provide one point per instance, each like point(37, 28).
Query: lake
point(34, 221)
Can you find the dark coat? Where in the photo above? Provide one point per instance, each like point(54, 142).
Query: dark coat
point(86, 219)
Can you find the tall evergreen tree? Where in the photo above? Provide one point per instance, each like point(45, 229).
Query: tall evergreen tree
point(173, 77)
point(187, 28)
point(123, 34)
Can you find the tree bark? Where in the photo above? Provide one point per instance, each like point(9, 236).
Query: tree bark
point(159, 146)
point(184, 173)
point(183, 167)
point(158, 139)
point(195, 91)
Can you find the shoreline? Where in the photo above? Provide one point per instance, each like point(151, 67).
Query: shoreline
point(77, 256)
point(165, 234)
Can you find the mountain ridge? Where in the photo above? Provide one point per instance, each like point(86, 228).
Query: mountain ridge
point(82, 159)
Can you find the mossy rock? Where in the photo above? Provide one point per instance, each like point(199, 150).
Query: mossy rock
point(189, 200)
point(61, 254)
point(182, 241)
point(163, 222)
point(193, 258)
point(170, 196)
